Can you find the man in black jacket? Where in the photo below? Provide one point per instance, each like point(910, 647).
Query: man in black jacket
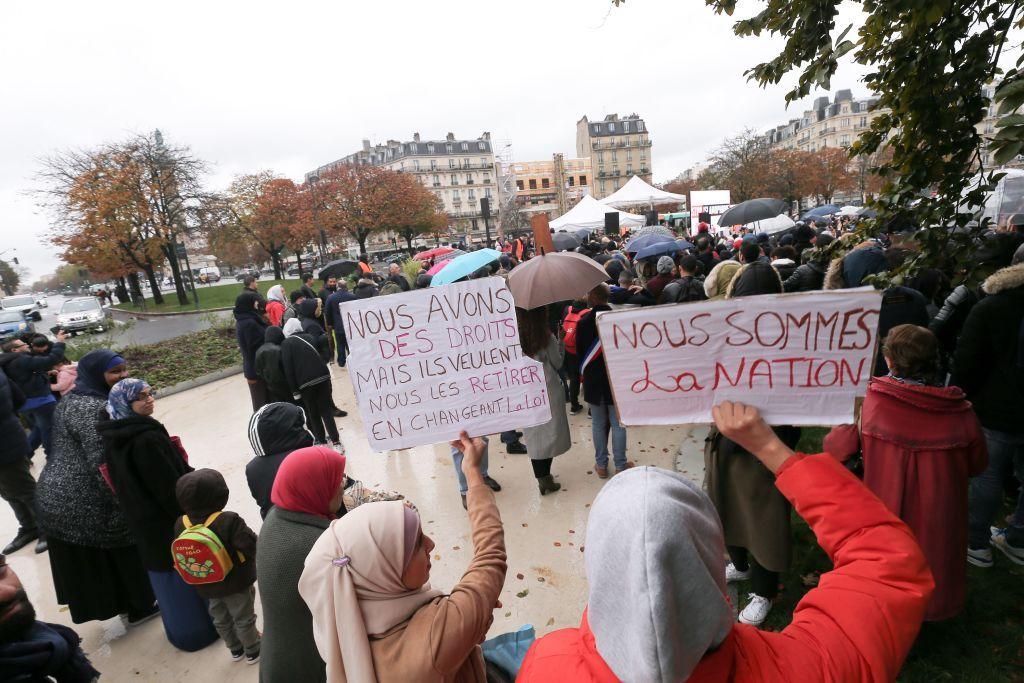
point(32, 650)
point(597, 391)
point(308, 376)
point(756, 276)
point(17, 486)
point(988, 366)
point(29, 371)
point(275, 430)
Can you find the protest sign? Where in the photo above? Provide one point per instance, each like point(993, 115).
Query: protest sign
point(429, 363)
point(801, 359)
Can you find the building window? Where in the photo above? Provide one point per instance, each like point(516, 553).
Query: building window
point(629, 155)
point(433, 164)
point(625, 126)
point(583, 180)
point(415, 164)
point(465, 163)
point(437, 180)
point(483, 162)
point(533, 183)
point(430, 148)
point(473, 223)
point(845, 123)
point(572, 181)
point(472, 194)
point(469, 178)
point(455, 179)
point(629, 170)
point(412, 148)
point(451, 163)
point(401, 166)
point(545, 182)
point(640, 126)
point(448, 147)
point(455, 196)
point(604, 187)
point(844, 141)
point(617, 185)
point(597, 128)
point(487, 192)
point(482, 146)
point(464, 146)
point(519, 185)
point(863, 121)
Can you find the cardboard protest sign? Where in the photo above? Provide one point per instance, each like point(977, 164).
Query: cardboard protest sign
point(801, 359)
point(429, 363)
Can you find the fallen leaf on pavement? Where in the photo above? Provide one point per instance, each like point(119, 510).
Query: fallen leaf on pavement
point(523, 593)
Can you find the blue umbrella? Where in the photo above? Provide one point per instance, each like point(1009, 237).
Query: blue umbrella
point(583, 233)
point(820, 212)
point(657, 249)
point(464, 265)
point(638, 243)
point(684, 245)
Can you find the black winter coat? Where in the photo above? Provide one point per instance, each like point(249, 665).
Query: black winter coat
point(302, 363)
point(596, 387)
point(144, 467)
point(249, 330)
point(755, 278)
point(201, 494)
point(13, 441)
point(269, 369)
point(28, 370)
point(985, 363)
point(275, 430)
point(900, 306)
point(806, 278)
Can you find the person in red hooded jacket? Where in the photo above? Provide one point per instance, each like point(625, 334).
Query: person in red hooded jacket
point(655, 562)
point(920, 443)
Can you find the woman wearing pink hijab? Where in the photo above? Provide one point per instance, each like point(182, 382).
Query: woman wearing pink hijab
point(376, 617)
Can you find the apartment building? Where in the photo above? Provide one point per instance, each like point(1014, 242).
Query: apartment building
point(551, 186)
point(826, 124)
point(617, 148)
point(459, 172)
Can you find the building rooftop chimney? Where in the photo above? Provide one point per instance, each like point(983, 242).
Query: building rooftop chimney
point(415, 137)
point(366, 145)
point(487, 135)
point(450, 137)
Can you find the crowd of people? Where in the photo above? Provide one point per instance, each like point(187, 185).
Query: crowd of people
point(344, 586)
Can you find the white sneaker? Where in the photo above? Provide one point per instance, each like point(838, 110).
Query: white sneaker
point(732, 574)
point(1012, 552)
point(980, 557)
point(756, 610)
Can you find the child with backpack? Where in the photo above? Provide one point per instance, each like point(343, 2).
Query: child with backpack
point(215, 551)
point(570, 319)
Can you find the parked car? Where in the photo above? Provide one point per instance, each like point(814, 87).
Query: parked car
point(13, 323)
point(242, 274)
point(81, 315)
point(23, 303)
point(41, 302)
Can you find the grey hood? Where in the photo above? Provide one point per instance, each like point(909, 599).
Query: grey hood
point(655, 562)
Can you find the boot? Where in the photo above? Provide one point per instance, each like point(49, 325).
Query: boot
point(547, 484)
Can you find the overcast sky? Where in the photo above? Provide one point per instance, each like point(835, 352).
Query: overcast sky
point(253, 85)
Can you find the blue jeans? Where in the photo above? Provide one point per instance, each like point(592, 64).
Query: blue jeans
point(457, 461)
point(604, 417)
point(41, 419)
point(1005, 457)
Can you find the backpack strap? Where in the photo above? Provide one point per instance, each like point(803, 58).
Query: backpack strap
point(211, 518)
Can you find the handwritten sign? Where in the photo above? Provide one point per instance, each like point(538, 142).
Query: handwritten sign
point(429, 363)
point(801, 359)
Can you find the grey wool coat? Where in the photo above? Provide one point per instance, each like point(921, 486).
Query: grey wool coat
point(551, 438)
point(288, 652)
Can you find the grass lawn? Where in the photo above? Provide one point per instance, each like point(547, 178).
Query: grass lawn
point(212, 296)
point(984, 643)
point(173, 360)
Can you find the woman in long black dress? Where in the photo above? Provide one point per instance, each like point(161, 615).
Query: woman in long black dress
point(97, 570)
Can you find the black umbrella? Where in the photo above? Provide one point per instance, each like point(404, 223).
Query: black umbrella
point(339, 268)
point(753, 210)
point(564, 241)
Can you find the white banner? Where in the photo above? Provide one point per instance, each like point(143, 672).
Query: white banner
point(801, 359)
point(429, 363)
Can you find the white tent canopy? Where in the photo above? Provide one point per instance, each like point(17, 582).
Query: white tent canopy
point(636, 191)
point(589, 215)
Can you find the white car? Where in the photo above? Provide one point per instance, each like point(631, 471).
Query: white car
point(82, 314)
point(42, 303)
point(24, 303)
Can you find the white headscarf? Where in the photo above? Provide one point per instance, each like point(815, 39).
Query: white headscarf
point(656, 567)
point(276, 293)
point(292, 326)
point(352, 583)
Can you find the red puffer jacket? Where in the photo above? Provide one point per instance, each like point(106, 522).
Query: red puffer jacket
point(857, 625)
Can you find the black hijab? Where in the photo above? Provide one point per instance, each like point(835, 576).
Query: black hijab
point(91, 367)
point(245, 305)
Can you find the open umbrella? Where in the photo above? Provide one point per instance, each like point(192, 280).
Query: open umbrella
point(684, 245)
point(772, 225)
point(449, 255)
point(552, 278)
point(752, 210)
point(431, 253)
point(652, 230)
point(820, 212)
point(563, 241)
point(461, 266)
point(638, 243)
point(657, 249)
point(583, 233)
point(437, 267)
point(339, 268)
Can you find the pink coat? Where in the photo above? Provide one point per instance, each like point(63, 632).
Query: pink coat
point(66, 376)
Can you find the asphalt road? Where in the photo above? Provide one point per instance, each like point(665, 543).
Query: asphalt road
point(139, 331)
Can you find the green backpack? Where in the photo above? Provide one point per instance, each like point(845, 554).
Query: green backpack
point(199, 555)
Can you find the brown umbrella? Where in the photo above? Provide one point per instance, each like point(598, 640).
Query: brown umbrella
point(555, 277)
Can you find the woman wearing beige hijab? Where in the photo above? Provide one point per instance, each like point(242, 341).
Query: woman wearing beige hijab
point(375, 616)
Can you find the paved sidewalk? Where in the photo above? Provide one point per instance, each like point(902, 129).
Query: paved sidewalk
point(545, 536)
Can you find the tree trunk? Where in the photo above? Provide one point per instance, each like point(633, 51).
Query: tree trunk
point(179, 283)
point(408, 241)
point(121, 291)
point(158, 298)
point(298, 262)
point(361, 241)
point(136, 288)
point(275, 259)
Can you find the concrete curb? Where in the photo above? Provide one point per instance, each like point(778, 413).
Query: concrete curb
point(199, 381)
point(123, 315)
